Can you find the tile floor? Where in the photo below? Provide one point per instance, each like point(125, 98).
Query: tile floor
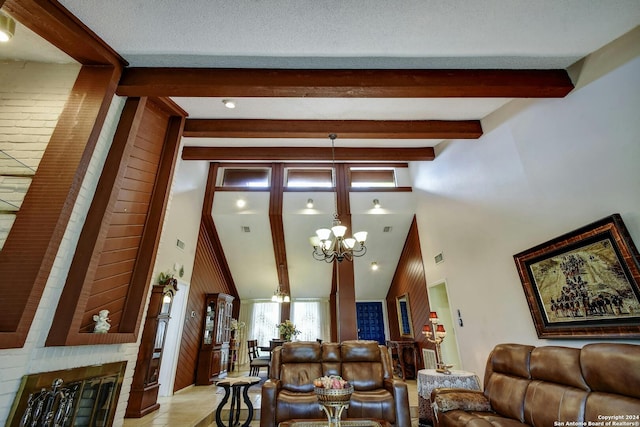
point(195, 406)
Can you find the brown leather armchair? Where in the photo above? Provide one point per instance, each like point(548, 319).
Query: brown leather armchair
point(289, 394)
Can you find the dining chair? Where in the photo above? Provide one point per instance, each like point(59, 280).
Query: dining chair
point(255, 361)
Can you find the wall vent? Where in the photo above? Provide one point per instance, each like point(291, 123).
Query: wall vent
point(245, 229)
point(386, 229)
point(180, 244)
point(429, 357)
point(439, 258)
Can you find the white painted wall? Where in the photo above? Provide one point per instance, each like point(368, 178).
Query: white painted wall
point(182, 220)
point(552, 167)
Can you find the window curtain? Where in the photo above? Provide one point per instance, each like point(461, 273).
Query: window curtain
point(261, 320)
point(312, 318)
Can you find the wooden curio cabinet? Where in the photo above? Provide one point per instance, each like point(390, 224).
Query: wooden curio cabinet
point(216, 334)
point(144, 388)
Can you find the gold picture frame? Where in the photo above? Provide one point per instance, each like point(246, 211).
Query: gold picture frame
point(584, 283)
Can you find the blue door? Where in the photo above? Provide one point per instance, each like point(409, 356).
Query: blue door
point(370, 321)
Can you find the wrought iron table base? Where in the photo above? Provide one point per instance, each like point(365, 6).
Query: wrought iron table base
point(334, 412)
point(233, 387)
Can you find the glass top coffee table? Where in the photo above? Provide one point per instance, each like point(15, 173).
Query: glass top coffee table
point(343, 423)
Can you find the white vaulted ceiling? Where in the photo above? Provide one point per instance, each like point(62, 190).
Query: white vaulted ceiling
point(348, 34)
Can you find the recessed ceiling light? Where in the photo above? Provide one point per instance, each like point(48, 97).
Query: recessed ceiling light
point(309, 203)
point(241, 203)
point(229, 103)
point(376, 203)
point(374, 266)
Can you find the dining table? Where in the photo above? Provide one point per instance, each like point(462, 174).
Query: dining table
point(272, 345)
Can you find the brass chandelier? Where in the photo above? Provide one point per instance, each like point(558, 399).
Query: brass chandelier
point(328, 249)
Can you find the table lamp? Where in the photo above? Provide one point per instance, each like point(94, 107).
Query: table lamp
point(435, 333)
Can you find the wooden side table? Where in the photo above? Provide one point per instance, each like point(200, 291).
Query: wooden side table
point(404, 357)
point(430, 379)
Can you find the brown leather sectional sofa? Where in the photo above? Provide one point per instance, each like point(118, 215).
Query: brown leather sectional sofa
point(289, 394)
point(549, 386)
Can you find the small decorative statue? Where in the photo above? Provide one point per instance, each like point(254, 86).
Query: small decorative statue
point(102, 322)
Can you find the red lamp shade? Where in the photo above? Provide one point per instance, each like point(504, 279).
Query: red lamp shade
point(440, 331)
point(433, 315)
point(426, 329)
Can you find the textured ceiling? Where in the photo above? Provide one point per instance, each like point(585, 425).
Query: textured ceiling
point(357, 34)
point(346, 34)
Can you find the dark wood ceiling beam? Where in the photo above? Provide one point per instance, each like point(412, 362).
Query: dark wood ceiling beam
point(354, 129)
point(58, 26)
point(207, 82)
point(307, 154)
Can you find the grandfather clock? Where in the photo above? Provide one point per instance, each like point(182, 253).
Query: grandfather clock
point(144, 388)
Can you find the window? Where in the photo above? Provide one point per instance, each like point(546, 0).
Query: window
point(309, 178)
point(265, 317)
point(372, 177)
point(312, 319)
point(245, 178)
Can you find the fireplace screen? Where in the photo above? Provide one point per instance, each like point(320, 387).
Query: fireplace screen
point(85, 396)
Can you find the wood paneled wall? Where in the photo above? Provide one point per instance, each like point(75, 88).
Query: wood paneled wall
point(120, 252)
point(410, 279)
point(112, 265)
point(207, 277)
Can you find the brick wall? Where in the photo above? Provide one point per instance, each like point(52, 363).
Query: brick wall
point(34, 357)
point(32, 96)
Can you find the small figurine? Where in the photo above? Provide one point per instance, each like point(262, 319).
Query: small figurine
point(102, 322)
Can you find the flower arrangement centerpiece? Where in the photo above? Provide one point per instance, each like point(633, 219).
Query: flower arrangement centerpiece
point(332, 389)
point(237, 325)
point(288, 330)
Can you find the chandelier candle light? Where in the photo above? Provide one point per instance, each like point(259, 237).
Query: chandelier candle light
point(435, 333)
point(279, 295)
point(340, 247)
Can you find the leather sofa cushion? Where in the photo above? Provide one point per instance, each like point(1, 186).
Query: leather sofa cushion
point(372, 404)
point(546, 403)
point(459, 417)
point(302, 351)
point(361, 364)
point(511, 359)
point(297, 405)
point(360, 351)
point(331, 364)
point(331, 352)
point(298, 377)
point(606, 404)
point(363, 376)
point(612, 368)
point(557, 365)
point(498, 421)
point(506, 395)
